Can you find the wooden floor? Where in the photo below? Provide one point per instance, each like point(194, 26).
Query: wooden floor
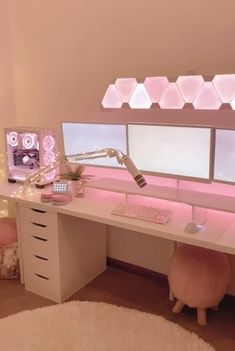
point(130, 290)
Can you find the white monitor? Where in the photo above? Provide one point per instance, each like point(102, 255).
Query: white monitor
point(178, 151)
point(84, 137)
point(224, 160)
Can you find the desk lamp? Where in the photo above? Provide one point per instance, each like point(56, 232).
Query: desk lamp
point(62, 159)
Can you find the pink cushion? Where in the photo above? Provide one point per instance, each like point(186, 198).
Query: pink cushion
point(61, 198)
point(8, 233)
point(46, 196)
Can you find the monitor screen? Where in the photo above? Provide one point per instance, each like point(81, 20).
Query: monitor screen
point(181, 151)
point(84, 137)
point(224, 161)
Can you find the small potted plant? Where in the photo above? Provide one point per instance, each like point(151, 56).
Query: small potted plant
point(74, 173)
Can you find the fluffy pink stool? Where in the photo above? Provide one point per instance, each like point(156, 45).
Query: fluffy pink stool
point(198, 278)
point(8, 233)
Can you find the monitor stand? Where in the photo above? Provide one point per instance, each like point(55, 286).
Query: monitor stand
point(192, 228)
point(198, 220)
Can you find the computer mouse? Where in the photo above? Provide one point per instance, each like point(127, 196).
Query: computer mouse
point(192, 228)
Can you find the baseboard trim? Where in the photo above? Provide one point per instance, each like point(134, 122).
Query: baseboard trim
point(131, 268)
point(146, 273)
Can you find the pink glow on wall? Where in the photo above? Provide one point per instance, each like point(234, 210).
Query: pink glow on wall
point(207, 98)
point(212, 188)
point(172, 99)
point(156, 87)
point(125, 88)
point(111, 98)
point(140, 98)
point(189, 86)
point(225, 86)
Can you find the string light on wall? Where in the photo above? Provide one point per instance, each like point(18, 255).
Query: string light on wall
point(159, 92)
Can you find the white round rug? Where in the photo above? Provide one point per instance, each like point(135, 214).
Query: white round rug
point(85, 326)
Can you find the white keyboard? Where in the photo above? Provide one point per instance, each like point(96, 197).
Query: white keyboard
point(145, 213)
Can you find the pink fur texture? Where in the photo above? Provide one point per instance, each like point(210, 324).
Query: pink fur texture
point(8, 234)
point(199, 277)
point(9, 262)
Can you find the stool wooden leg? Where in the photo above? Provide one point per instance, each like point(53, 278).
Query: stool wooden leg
point(171, 295)
point(215, 308)
point(201, 316)
point(178, 306)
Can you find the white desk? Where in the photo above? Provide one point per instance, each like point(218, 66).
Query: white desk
point(62, 248)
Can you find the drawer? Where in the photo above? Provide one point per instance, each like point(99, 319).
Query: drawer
point(45, 287)
point(46, 248)
point(43, 266)
point(35, 215)
point(41, 230)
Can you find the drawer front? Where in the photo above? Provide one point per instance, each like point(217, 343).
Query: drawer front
point(47, 288)
point(35, 215)
point(45, 248)
point(44, 267)
point(40, 230)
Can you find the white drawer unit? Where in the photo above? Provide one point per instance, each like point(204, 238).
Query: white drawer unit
point(42, 266)
point(38, 229)
point(36, 245)
point(40, 252)
point(61, 253)
point(42, 286)
point(38, 215)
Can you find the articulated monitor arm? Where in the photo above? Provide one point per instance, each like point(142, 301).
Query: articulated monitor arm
point(108, 152)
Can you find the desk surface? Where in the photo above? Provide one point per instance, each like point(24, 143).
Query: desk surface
point(218, 232)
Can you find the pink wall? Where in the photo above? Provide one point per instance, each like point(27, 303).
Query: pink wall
point(7, 98)
point(68, 51)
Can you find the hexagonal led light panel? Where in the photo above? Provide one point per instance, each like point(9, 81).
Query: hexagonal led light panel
point(172, 99)
point(207, 98)
point(189, 86)
point(225, 86)
point(111, 98)
point(125, 88)
point(140, 98)
point(156, 87)
point(203, 95)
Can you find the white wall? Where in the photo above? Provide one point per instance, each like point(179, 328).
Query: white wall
point(67, 52)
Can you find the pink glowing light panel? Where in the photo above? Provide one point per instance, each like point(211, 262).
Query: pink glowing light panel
point(156, 87)
point(225, 87)
point(189, 86)
point(140, 98)
point(171, 150)
point(84, 137)
point(172, 98)
point(203, 95)
point(111, 98)
point(224, 163)
point(28, 150)
point(125, 88)
point(207, 98)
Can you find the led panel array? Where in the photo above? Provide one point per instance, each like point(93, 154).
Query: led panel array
point(201, 94)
